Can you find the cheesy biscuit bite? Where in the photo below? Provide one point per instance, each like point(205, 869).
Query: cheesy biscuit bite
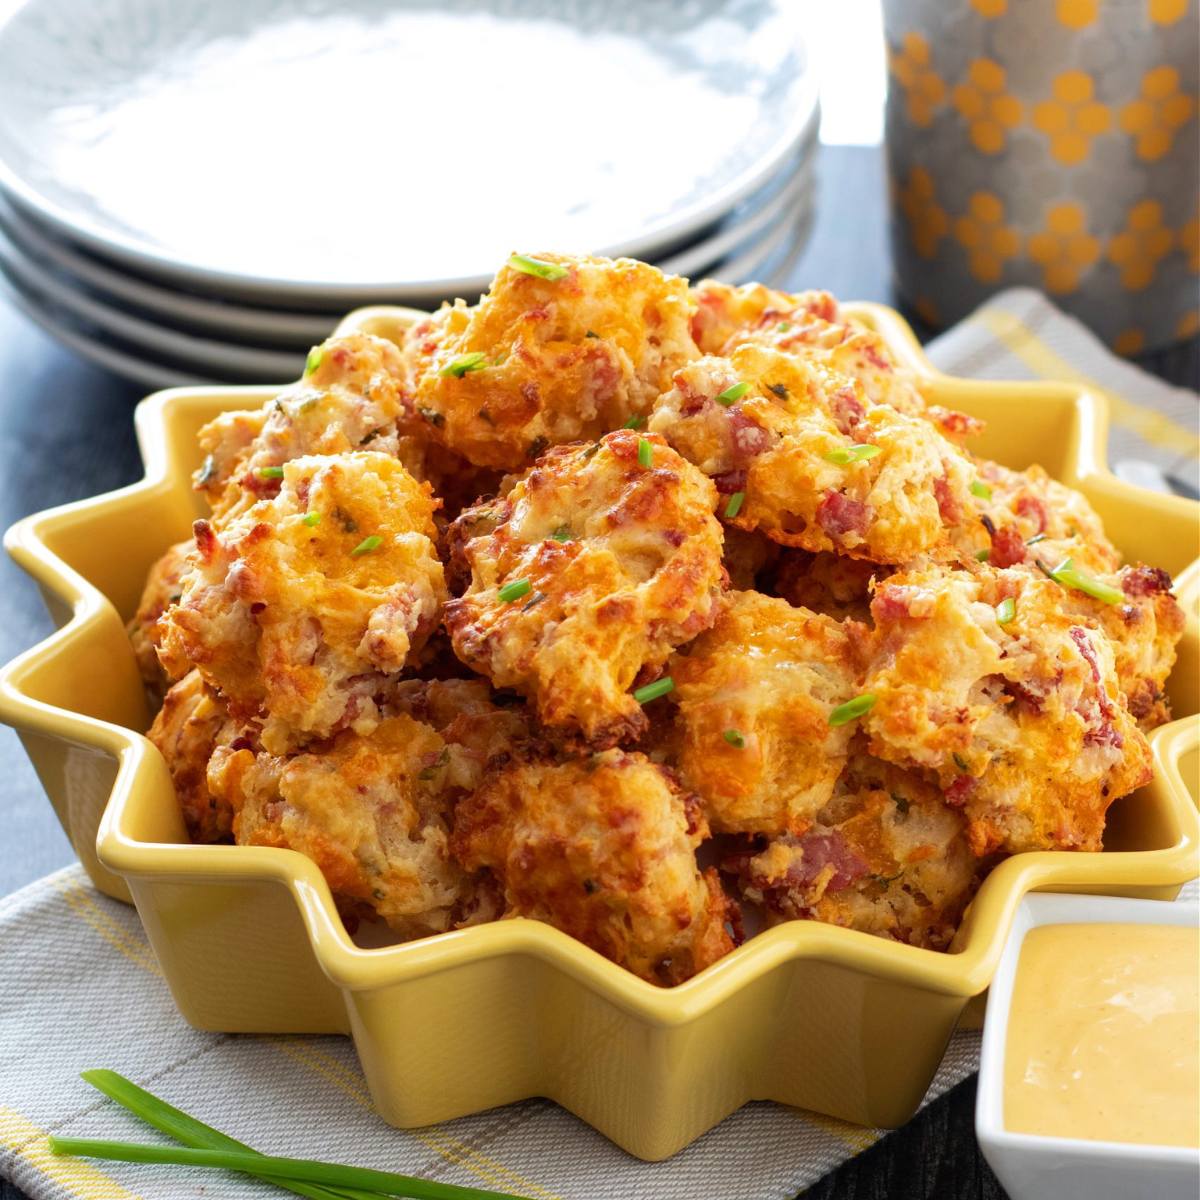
point(755, 694)
point(813, 463)
point(350, 397)
point(982, 679)
point(162, 589)
point(302, 608)
point(191, 726)
point(602, 848)
point(593, 568)
point(372, 811)
point(886, 857)
point(1021, 516)
point(561, 348)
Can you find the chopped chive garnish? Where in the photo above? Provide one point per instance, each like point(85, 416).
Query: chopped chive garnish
point(1006, 610)
point(535, 266)
point(468, 362)
point(429, 772)
point(562, 534)
point(313, 361)
point(731, 395)
point(312, 518)
point(852, 454)
point(1037, 537)
point(735, 504)
point(981, 490)
point(367, 545)
point(634, 422)
point(852, 709)
point(270, 472)
point(652, 691)
point(645, 453)
point(734, 738)
point(783, 326)
point(983, 555)
point(514, 591)
point(1068, 575)
point(960, 762)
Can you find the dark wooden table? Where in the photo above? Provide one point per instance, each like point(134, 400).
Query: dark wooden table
point(66, 432)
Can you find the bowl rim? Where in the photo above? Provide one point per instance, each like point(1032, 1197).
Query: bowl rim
point(961, 973)
point(1040, 910)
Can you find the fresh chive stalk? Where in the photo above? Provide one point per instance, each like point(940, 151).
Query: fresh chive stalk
point(1006, 610)
point(981, 490)
point(634, 422)
point(313, 361)
point(312, 519)
point(731, 395)
point(1069, 576)
point(538, 267)
point(645, 453)
point(270, 472)
point(652, 691)
point(735, 504)
point(514, 591)
point(983, 555)
point(844, 455)
point(367, 545)
point(852, 709)
point(734, 738)
point(186, 1129)
point(311, 1171)
point(562, 534)
point(475, 361)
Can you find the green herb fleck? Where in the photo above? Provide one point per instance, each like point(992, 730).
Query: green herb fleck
point(634, 422)
point(475, 361)
point(731, 395)
point(852, 709)
point(313, 361)
point(981, 490)
point(590, 452)
point(645, 453)
point(207, 471)
point(652, 691)
point(270, 472)
point(427, 773)
point(983, 555)
point(960, 762)
point(735, 739)
point(514, 591)
point(844, 455)
point(367, 545)
point(312, 519)
point(735, 504)
point(1006, 610)
point(535, 266)
point(783, 326)
point(562, 534)
point(1069, 576)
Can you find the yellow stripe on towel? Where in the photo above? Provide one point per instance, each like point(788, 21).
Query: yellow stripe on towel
point(78, 1176)
point(133, 947)
point(1149, 424)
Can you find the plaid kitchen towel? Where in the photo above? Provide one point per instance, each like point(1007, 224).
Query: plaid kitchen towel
point(79, 986)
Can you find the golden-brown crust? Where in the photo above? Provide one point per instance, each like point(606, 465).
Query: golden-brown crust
point(563, 359)
point(773, 443)
point(603, 848)
point(1022, 722)
point(162, 589)
point(887, 857)
point(622, 563)
point(303, 607)
point(754, 697)
point(192, 724)
point(371, 811)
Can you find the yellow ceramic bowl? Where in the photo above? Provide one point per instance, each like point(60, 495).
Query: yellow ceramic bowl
point(805, 1014)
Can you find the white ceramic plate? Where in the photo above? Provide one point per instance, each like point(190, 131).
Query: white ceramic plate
point(351, 150)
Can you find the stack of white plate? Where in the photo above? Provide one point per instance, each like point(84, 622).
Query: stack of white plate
point(196, 190)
